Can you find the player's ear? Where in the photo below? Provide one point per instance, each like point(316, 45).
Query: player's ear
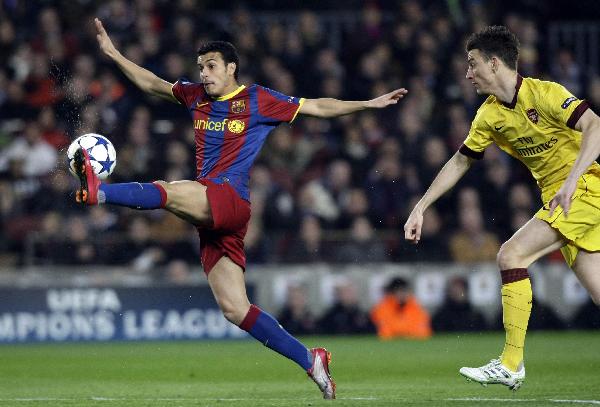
point(231, 66)
point(495, 64)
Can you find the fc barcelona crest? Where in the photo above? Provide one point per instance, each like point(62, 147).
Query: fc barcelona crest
point(238, 106)
point(533, 115)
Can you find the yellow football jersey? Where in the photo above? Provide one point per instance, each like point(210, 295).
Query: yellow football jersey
point(537, 128)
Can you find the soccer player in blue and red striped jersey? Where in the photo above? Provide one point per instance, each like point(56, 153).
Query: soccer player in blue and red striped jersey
point(231, 122)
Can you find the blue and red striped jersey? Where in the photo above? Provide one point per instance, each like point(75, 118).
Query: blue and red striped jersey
point(230, 130)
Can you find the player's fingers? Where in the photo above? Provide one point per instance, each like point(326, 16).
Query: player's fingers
point(412, 233)
point(408, 232)
point(99, 26)
point(552, 206)
point(566, 207)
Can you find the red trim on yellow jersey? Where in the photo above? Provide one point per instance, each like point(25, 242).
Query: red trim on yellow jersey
point(577, 113)
point(476, 155)
point(512, 104)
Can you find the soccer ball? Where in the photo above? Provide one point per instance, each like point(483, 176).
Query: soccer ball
point(103, 156)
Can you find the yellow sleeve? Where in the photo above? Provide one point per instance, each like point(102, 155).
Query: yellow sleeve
point(560, 105)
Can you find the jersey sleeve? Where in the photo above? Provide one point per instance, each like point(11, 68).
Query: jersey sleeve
point(561, 105)
point(479, 137)
point(188, 93)
point(275, 107)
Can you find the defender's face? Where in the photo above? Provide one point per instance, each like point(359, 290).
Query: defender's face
point(480, 72)
point(215, 75)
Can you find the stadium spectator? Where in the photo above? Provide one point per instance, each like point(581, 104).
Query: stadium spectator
point(255, 241)
point(308, 246)
point(51, 132)
point(77, 248)
point(399, 314)
point(593, 92)
point(587, 316)
point(355, 205)
point(456, 314)
point(387, 192)
point(566, 71)
point(177, 272)
point(471, 243)
point(141, 252)
point(35, 156)
point(345, 316)
point(433, 234)
point(295, 315)
point(362, 247)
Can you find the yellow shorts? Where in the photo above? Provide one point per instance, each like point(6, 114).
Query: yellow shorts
point(582, 226)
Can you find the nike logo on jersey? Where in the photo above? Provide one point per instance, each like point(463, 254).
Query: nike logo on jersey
point(201, 104)
point(498, 128)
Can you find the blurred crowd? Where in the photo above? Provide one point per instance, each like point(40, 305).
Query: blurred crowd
point(322, 190)
point(400, 315)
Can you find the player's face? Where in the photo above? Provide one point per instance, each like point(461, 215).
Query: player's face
point(480, 72)
point(216, 76)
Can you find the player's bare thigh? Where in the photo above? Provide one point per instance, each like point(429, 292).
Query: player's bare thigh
point(188, 200)
point(587, 271)
point(533, 240)
point(226, 280)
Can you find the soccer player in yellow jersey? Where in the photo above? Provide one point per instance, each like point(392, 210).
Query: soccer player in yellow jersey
point(557, 137)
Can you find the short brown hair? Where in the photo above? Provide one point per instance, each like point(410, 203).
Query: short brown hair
point(496, 40)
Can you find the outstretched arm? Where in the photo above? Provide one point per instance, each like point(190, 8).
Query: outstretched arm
point(589, 125)
point(143, 78)
point(448, 176)
point(328, 107)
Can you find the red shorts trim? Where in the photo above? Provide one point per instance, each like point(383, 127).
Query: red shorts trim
point(231, 215)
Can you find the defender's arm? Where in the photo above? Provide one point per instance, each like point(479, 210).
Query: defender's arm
point(589, 125)
point(448, 176)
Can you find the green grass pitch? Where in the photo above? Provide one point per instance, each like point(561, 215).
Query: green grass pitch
point(562, 369)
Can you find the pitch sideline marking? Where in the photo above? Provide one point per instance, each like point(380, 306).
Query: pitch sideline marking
point(97, 398)
point(524, 400)
point(474, 399)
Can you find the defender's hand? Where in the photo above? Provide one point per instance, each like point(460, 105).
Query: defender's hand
point(388, 99)
point(104, 41)
point(563, 197)
point(412, 227)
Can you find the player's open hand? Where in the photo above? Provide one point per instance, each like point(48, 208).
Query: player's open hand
point(388, 99)
point(104, 41)
point(412, 227)
point(563, 197)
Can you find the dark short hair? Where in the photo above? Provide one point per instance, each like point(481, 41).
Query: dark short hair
point(496, 40)
point(227, 51)
point(396, 283)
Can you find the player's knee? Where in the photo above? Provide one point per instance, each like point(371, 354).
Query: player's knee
point(507, 257)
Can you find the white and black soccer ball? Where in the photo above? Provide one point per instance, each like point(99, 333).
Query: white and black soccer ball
point(103, 156)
